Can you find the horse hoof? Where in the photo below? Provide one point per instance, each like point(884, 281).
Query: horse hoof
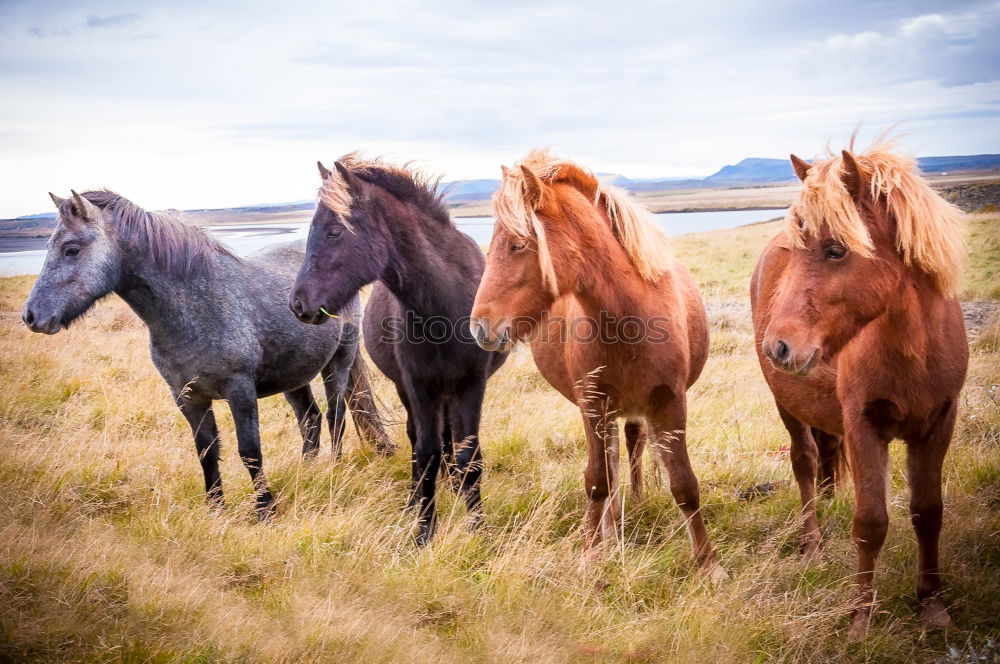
point(265, 507)
point(475, 521)
point(591, 559)
point(716, 574)
point(425, 534)
point(860, 622)
point(933, 613)
point(811, 551)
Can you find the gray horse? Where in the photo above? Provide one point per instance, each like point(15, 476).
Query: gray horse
point(219, 325)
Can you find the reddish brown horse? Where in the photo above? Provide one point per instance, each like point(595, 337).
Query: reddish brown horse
point(614, 322)
point(860, 335)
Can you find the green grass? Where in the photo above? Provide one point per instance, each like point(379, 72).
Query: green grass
point(107, 552)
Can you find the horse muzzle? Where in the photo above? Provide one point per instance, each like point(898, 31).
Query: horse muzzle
point(35, 322)
point(785, 357)
point(501, 341)
point(307, 312)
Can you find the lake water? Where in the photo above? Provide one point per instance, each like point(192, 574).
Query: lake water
point(247, 239)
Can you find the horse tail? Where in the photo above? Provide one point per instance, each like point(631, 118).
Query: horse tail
point(364, 412)
point(833, 464)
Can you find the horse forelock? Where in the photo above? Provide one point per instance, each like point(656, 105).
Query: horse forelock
point(335, 194)
point(176, 247)
point(643, 243)
point(930, 233)
point(406, 183)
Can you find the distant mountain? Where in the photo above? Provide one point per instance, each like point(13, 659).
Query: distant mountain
point(972, 162)
point(748, 172)
point(752, 171)
point(468, 190)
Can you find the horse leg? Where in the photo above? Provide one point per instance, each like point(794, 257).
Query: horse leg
point(411, 435)
point(804, 455)
point(831, 451)
point(361, 402)
point(924, 461)
point(636, 434)
point(467, 470)
point(868, 456)
point(426, 416)
point(600, 478)
point(669, 426)
point(448, 467)
point(198, 413)
point(336, 375)
point(242, 397)
point(307, 413)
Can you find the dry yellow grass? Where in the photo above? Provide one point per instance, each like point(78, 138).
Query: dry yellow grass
point(107, 552)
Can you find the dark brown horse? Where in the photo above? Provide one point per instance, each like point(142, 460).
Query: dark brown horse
point(860, 335)
point(384, 224)
point(615, 324)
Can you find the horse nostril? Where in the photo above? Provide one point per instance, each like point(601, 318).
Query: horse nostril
point(781, 351)
point(28, 317)
point(297, 307)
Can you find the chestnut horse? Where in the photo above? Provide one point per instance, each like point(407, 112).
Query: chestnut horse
point(615, 324)
point(859, 334)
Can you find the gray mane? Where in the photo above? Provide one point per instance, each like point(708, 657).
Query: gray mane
point(176, 247)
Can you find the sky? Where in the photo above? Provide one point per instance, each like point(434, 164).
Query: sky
point(212, 104)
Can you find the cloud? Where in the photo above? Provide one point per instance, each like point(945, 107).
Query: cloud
point(954, 49)
point(229, 99)
point(111, 20)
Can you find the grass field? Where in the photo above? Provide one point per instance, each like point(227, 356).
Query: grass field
point(108, 553)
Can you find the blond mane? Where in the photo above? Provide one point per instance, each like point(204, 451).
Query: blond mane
point(930, 233)
point(644, 244)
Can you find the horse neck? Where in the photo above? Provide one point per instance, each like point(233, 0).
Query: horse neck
point(428, 270)
point(602, 278)
point(913, 312)
point(156, 295)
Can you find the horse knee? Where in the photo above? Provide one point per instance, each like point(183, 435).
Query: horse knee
point(685, 493)
point(870, 527)
point(597, 486)
point(427, 451)
point(803, 457)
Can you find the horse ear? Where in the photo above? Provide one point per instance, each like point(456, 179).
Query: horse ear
point(504, 170)
point(84, 209)
point(56, 200)
point(801, 167)
point(533, 187)
point(350, 178)
point(324, 172)
point(852, 175)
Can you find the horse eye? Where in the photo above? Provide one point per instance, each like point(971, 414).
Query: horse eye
point(336, 231)
point(835, 252)
point(517, 246)
point(71, 251)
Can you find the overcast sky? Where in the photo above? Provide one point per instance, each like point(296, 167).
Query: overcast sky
point(193, 104)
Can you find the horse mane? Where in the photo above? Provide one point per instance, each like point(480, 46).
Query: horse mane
point(642, 241)
point(406, 183)
point(176, 247)
point(930, 233)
